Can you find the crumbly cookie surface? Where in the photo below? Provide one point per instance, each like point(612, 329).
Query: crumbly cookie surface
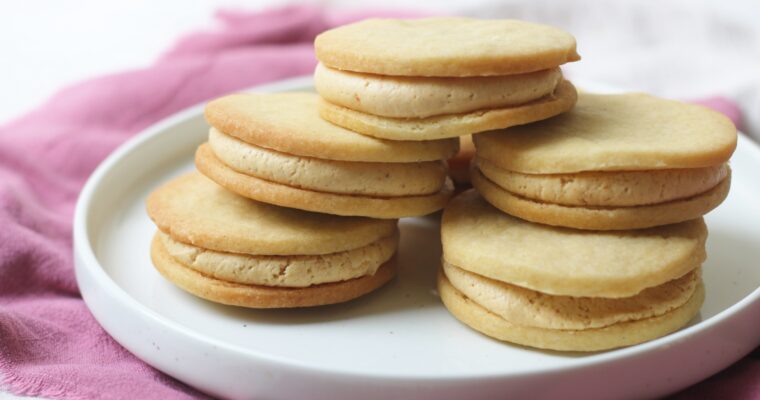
point(620, 132)
point(445, 46)
point(290, 123)
point(195, 210)
point(482, 239)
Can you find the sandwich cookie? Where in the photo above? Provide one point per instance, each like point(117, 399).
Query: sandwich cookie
point(437, 77)
point(276, 149)
point(614, 162)
point(232, 250)
point(620, 334)
point(566, 289)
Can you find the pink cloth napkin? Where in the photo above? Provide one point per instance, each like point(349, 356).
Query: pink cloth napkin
point(50, 345)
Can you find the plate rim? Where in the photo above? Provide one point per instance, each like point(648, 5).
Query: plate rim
point(82, 247)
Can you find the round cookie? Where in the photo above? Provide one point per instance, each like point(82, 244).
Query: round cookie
point(606, 188)
point(421, 97)
point(290, 123)
point(444, 46)
point(559, 261)
point(255, 296)
point(614, 133)
point(601, 218)
point(450, 125)
point(609, 337)
point(343, 177)
point(527, 307)
point(309, 200)
point(194, 210)
point(283, 271)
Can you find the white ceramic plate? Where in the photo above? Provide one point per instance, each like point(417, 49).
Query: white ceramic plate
point(398, 342)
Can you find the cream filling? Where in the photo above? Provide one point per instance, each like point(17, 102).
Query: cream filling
point(607, 188)
point(343, 177)
point(422, 97)
point(527, 307)
point(284, 271)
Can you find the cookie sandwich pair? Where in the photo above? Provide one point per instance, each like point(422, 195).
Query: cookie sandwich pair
point(566, 289)
point(584, 232)
point(275, 148)
point(615, 162)
point(442, 77)
point(289, 210)
point(232, 250)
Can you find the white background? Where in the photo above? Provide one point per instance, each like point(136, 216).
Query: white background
point(47, 44)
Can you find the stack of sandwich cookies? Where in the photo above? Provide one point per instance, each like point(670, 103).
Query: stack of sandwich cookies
point(441, 77)
point(566, 289)
point(267, 151)
point(614, 162)
point(232, 250)
point(276, 149)
point(589, 230)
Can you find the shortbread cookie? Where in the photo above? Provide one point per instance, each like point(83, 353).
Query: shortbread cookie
point(444, 46)
point(290, 123)
point(285, 271)
point(601, 217)
point(527, 307)
point(422, 97)
point(614, 133)
point(233, 250)
point(256, 296)
point(450, 125)
point(323, 202)
point(342, 177)
point(194, 210)
point(594, 339)
point(559, 261)
point(606, 188)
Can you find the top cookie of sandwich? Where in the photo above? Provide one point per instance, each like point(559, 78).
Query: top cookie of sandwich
point(559, 261)
point(445, 46)
point(194, 210)
point(612, 133)
point(290, 123)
